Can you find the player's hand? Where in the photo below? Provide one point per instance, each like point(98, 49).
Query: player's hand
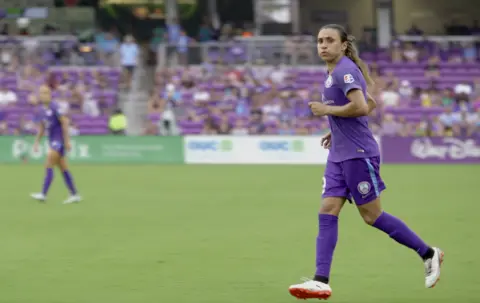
point(318, 108)
point(327, 141)
point(68, 146)
point(35, 147)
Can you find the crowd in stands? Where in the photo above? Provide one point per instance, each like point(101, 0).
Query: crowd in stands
point(422, 89)
point(85, 79)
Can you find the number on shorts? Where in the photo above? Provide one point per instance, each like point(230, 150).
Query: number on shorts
point(324, 184)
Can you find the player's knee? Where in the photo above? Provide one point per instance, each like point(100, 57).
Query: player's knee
point(331, 206)
point(369, 218)
point(370, 214)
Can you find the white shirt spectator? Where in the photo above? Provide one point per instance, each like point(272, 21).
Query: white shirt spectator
point(6, 56)
point(90, 106)
point(411, 54)
point(240, 131)
point(272, 111)
point(473, 118)
point(7, 97)
point(201, 96)
point(390, 98)
point(129, 52)
point(463, 89)
point(405, 89)
point(449, 119)
point(278, 76)
point(73, 130)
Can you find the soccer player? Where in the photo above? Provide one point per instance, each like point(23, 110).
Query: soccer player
point(353, 166)
point(56, 125)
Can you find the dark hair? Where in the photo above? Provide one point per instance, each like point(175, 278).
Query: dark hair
point(351, 52)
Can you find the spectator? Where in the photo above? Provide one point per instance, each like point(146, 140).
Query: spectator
point(73, 129)
point(209, 127)
point(7, 97)
point(432, 70)
point(257, 126)
point(277, 76)
point(118, 123)
point(4, 128)
point(285, 129)
point(183, 43)
point(414, 31)
point(90, 104)
point(206, 32)
point(449, 121)
point(129, 53)
point(405, 127)
point(240, 129)
point(405, 90)
point(25, 127)
point(224, 128)
point(410, 53)
point(389, 97)
point(150, 129)
point(107, 46)
point(155, 104)
point(473, 120)
point(396, 52)
point(470, 52)
point(390, 127)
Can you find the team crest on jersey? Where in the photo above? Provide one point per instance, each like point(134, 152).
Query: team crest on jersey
point(363, 187)
point(329, 82)
point(348, 78)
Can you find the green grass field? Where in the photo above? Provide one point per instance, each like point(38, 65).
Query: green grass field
point(226, 234)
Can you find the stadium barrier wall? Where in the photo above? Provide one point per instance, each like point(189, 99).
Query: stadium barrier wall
point(430, 150)
point(254, 150)
point(238, 150)
point(100, 149)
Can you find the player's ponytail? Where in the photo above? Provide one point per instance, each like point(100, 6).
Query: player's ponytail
point(352, 53)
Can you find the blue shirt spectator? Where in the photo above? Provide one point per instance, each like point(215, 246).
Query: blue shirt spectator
point(129, 52)
point(173, 30)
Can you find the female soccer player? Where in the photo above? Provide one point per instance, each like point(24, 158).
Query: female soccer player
point(353, 164)
point(56, 124)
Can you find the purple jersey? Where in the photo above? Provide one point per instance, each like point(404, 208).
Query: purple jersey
point(51, 120)
point(351, 137)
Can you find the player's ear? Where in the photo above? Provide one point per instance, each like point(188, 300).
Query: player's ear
point(344, 46)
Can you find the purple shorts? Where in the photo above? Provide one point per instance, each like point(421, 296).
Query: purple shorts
point(355, 178)
point(59, 147)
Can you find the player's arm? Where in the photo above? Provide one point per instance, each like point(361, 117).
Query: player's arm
point(65, 129)
point(40, 133)
point(357, 106)
point(372, 104)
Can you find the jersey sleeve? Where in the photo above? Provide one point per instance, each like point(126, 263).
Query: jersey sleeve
point(57, 110)
point(348, 79)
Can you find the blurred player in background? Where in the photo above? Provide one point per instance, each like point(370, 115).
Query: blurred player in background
point(353, 166)
point(56, 125)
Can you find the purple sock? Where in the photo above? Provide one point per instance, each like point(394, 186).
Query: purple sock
point(399, 231)
point(69, 182)
point(326, 242)
point(47, 180)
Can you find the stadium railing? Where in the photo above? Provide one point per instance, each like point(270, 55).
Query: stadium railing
point(64, 50)
point(268, 50)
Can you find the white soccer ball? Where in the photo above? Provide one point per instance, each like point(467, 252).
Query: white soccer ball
point(23, 22)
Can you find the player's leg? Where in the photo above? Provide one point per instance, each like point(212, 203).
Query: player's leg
point(366, 185)
point(67, 177)
point(52, 159)
point(334, 195)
